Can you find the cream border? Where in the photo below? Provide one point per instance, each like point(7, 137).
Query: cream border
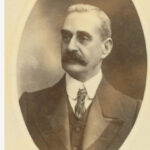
point(2, 73)
point(16, 135)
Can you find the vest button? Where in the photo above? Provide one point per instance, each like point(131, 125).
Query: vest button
point(77, 129)
point(75, 148)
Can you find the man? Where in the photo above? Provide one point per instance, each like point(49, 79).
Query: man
point(82, 111)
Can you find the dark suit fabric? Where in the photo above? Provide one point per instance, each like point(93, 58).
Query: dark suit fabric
point(110, 118)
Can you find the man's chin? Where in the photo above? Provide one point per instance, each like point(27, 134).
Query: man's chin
point(73, 68)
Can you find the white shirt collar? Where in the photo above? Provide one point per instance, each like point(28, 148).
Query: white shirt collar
point(73, 85)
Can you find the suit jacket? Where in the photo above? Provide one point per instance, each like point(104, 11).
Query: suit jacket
point(110, 118)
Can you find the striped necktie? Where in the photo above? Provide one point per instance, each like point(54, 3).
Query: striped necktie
point(80, 107)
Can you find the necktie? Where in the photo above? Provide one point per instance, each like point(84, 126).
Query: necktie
point(80, 107)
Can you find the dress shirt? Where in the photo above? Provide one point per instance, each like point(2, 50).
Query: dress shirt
point(73, 85)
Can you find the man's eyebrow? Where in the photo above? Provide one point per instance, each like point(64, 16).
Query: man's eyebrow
point(65, 31)
point(85, 34)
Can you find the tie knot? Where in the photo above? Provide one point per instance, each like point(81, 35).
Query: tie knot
point(81, 93)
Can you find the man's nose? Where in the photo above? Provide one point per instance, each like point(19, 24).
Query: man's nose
point(72, 46)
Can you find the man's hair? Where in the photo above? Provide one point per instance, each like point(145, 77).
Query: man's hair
point(105, 28)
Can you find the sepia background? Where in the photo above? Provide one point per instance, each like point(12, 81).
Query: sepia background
point(29, 62)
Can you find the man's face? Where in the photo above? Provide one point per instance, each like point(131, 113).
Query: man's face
point(82, 45)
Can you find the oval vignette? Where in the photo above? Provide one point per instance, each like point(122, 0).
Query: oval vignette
point(39, 64)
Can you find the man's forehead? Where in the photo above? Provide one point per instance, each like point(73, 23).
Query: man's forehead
point(84, 21)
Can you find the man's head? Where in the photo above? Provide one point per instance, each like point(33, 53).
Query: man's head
point(86, 40)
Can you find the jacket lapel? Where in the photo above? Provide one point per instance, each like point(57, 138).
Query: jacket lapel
point(95, 126)
point(105, 118)
point(56, 123)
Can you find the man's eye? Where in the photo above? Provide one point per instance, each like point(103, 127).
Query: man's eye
point(83, 38)
point(66, 37)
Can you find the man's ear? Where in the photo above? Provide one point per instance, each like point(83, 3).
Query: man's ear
point(108, 45)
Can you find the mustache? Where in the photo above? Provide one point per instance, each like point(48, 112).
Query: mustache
point(73, 56)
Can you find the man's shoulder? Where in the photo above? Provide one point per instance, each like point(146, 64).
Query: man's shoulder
point(42, 96)
point(115, 92)
point(116, 97)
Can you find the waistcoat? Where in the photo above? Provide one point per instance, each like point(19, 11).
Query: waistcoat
point(77, 127)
